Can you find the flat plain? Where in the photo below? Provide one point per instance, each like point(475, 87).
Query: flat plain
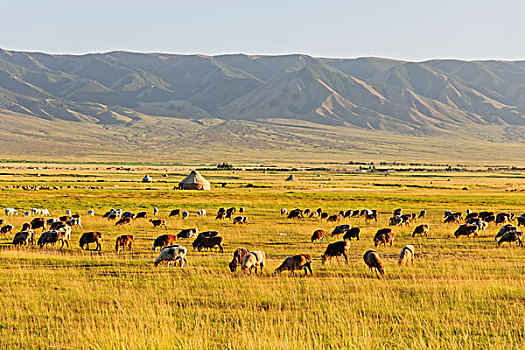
point(460, 293)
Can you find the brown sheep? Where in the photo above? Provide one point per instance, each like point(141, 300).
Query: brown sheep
point(91, 237)
point(422, 214)
point(318, 235)
point(238, 256)
point(159, 223)
point(65, 218)
point(336, 249)
point(296, 262)
point(521, 221)
point(511, 236)
point(123, 221)
point(372, 260)
point(295, 214)
point(163, 241)
point(421, 230)
point(123, 241)
point(221, 216)
point(384, 236)
point(324, 215)
point(372, 216)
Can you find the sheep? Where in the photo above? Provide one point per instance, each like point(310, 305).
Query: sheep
point(503, 229)
point(37, 223)
point(421, 230)
point(511, 236)
point(24, 237)
point(221, 216)
point(240, 220)
point(68, 212)
point(336, 249)
point(398, 212)
point(383, 236)
point(238, 256)
point(230, 212)
point(10, 211)
point(155, 211)
point(284, 211)
point(159, 223)
point(372, 260)
point(295, 214)
point(324, 216)
point(241, 210)
point(163, 241)
point(296, 262)
point(76, 222)
point(407, 254)
point(210, 242)
point(123, 241)
point(91, 237)
point(314, 215)
point(27, 213)
point(52, 237)
point(371, 216)
point(185, 214)
point(451, 219)
point(90, 213)
point(338, 230)
point(141, 215)
point(187, 233)
point(123, 221)
point(482, 225)
point(352, 233)
point(174, 212)
point(6, 229)
point(203, 235)
point(422, 214)
point(521, 220)
point(253, 260)
point(171, 254)
point(466, 230)
point(333, 218)
point(395, 220)
point(3, 221)
point(201, 212)
point(318, 235)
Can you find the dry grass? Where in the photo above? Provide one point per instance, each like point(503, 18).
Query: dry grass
point(460, 293)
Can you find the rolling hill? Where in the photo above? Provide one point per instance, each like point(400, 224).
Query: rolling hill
point(124, 97)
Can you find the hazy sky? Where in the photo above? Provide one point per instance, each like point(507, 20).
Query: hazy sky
point(404, 29)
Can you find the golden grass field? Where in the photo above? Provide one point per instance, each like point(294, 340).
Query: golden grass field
point(460, 293)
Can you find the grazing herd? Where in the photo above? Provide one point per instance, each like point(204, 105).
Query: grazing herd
point(59, 230)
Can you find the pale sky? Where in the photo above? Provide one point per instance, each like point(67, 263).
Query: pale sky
point(403, 29)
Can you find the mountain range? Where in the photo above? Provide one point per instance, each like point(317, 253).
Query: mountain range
point(372, 94)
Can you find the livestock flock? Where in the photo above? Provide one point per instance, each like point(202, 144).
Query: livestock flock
point(56, 232)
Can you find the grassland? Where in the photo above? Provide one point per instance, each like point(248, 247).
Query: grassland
point(460, 293)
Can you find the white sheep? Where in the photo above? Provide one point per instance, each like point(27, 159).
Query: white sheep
point(171, 254)
point(407, 254)
point(253, 260)
point(185, 214)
